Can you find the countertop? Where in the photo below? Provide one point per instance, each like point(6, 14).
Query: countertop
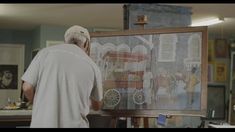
point(225, 125)
point(29, 112)
point(15, 112)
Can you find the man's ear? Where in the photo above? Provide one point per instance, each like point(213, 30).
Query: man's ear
point(87, 47)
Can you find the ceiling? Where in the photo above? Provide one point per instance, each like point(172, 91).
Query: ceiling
point(28, 16)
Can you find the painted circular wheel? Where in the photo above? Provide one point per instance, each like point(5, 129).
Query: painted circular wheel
point(112, 97)
point(138, 97)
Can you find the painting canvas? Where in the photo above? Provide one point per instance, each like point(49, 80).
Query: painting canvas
point(8, 76)
point(221, 48)
point(220, 72)
point(153, 71)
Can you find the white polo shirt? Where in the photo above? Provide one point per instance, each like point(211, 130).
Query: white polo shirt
point(64, 78)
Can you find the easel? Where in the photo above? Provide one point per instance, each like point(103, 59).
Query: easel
point(141, 21)
point(135, 121)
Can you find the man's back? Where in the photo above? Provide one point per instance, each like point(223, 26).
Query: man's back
point(65, 81)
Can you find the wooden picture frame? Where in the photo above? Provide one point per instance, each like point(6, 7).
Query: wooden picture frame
point(231, 118)
point(221, 48)
point(125, 95)
point(220, 72)
point(216, 107)
point(210, 78)
point(211, 50)
point(232, 72)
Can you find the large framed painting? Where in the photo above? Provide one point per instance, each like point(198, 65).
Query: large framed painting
point(153, 71)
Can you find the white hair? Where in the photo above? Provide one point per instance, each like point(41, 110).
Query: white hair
point(77, 35)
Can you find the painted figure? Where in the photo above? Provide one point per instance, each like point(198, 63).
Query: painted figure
point(190, 85)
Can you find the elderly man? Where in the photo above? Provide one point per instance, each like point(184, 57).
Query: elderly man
point(61, 80)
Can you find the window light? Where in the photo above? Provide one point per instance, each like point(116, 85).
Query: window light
point(207, 22)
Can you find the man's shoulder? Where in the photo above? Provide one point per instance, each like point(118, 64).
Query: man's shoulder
point(62, 47)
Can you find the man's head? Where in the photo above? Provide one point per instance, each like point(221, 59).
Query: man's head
point(80, 36)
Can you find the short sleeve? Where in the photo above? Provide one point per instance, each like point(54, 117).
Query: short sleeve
point(32, 73)
point(97, 91)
